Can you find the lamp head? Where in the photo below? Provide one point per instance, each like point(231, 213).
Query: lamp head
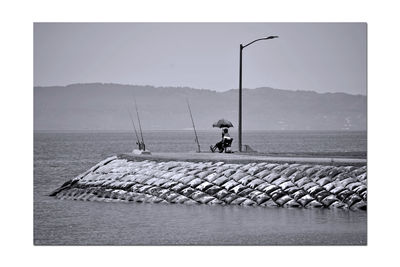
point(272, 37)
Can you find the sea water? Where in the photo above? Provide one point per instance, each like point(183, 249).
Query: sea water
point(59, 157)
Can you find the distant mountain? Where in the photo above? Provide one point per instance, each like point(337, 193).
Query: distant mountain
point(98, 106)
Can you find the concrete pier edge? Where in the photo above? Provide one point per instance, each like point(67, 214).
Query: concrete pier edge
point(245, 158)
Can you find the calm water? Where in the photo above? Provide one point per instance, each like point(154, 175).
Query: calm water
point(61, 156)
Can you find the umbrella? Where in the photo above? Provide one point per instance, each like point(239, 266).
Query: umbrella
point(223, 123)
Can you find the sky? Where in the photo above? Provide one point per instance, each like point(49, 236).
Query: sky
point(321, 57)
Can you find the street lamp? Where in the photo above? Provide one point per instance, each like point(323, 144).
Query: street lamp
point(240, 86)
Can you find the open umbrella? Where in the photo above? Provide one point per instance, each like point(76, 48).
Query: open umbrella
point(223, 123)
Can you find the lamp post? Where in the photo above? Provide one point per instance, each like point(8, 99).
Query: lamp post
point(240, 86)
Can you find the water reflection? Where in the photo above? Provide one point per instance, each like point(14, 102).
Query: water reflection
point(77, 222)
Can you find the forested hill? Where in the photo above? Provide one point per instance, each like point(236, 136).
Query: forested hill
point(100, 106)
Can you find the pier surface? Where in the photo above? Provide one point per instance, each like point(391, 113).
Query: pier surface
point(244, 158)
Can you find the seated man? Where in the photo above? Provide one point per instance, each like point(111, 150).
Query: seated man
point(225, 142)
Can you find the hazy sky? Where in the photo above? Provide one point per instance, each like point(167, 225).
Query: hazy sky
point(323, 57)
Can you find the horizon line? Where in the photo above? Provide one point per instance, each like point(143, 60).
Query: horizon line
point(213, 90)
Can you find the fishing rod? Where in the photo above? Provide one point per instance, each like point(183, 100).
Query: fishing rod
point(194, 128)
point(134, 127)
point(140, 126)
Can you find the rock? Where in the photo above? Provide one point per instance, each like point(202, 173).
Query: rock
point(252, 184)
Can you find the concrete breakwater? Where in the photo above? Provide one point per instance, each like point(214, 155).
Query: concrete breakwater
point(266, 184)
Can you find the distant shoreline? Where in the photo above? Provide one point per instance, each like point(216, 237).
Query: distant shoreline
point(191, 87)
